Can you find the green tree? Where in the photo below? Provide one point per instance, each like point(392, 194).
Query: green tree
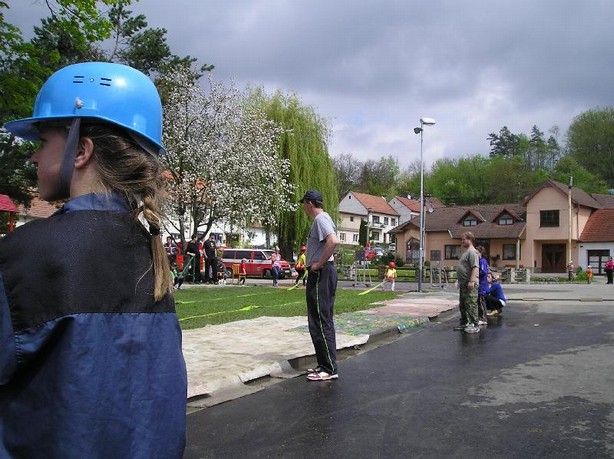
point(363, 233)
point(460, 181)
point(347, 172)
point(505, 144)
point(590, 141)
point(379, 177)
point(510, 181)
point(74, 32)
point(303, 143)
point(582, 178)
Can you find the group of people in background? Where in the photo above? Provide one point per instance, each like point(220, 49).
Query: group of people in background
point(480, 293)
point(193, 254)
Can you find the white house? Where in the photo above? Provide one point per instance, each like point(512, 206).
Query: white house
point(379, 215)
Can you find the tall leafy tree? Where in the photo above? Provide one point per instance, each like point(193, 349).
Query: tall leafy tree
point(25, 66)
point(582, 178)
point(303, 142)
point(74, 31)
point(590, 141)
point(505, 144)
point(347, 172)
point(378, 177)
point(222, 161)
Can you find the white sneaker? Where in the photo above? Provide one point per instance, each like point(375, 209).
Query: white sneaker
point(471, 328)
point(482, 323)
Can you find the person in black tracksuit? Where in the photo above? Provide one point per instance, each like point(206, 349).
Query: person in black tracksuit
point(321, 287)
point(210, 260)
point(192, 253)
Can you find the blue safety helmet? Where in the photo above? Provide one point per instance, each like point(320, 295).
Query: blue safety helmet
point(113, 93)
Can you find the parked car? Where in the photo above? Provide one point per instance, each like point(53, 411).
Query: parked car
point(375, 253)
point(258, 262)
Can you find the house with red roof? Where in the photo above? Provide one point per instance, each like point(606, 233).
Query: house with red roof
point(498, 228)
point(554, 224)
point(8, 211)
point(409, 208)
point(38, 209)
point(374, 210)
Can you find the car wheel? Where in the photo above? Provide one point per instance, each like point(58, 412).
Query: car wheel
point(267, 274)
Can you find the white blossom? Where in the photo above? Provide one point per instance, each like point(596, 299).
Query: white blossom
point(222, 158)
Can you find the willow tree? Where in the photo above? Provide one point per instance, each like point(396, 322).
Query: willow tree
point(303, 142)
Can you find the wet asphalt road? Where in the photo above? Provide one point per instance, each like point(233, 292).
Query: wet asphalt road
point(537, 382)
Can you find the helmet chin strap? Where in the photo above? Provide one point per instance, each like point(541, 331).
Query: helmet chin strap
point(71, 147)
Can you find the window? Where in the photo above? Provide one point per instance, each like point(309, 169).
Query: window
point(470, 221)
point(374, 236)
point(385, 220)
point(393, 221)
point(375, 219)
point(342, 237)
point(435, 255)
point(509, 251)
point(240, 254)
point(453, 252)
point(548, 218)
point(506, 219)
point(355, 238)
point(351, 218)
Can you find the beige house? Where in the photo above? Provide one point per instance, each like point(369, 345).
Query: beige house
point(374, 210)
point(550, 228)
point(499, 228)
point(535, 234)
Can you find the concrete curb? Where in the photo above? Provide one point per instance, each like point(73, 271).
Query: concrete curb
point(239, 358)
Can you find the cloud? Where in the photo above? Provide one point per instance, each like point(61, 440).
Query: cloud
point(375, 68)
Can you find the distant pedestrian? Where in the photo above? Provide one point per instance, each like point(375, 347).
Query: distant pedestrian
point(275, 267)
point(171, 249)
point(209, 247)
point(390, 276)
point(300, 266)
point(570, 269)
point(467, 271)
point(192, 254)
point(609, 270)
point(589, 274)
point(176, 276)
point(243, 271)
point(321, 287)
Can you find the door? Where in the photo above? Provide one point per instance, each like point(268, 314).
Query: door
point(597, 259)
point(553, 258)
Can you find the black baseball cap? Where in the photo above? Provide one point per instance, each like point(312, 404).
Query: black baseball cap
point(312, 195)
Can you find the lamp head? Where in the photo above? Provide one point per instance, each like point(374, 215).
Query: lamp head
point(417, 130)
point(427, 121)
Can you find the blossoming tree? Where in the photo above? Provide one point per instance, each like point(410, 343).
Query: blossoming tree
point(222, 162)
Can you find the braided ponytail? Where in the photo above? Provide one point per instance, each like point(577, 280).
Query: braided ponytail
point(126, 168)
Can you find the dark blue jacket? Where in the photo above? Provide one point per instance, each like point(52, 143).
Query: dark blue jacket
point(495, 290)
point(90, 365)
point(483, 273)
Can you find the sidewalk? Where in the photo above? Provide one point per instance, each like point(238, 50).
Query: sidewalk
point(235, 359)
point(224, 361)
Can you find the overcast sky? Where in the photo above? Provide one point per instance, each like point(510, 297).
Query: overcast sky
point(374, 68)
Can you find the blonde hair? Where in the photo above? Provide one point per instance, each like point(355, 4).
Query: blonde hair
point(124, 167)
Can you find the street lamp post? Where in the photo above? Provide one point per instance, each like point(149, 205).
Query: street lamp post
point(420, 130)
